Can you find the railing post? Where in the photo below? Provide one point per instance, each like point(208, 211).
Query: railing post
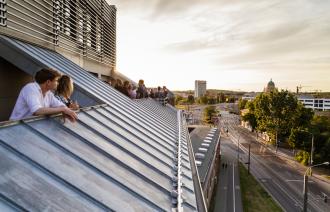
point(305, 192)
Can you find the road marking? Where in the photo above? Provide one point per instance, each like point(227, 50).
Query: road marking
point(234, 186)
point(299, 181)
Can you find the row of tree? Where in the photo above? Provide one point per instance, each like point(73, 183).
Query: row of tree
point(206, 99)
point(286, 120)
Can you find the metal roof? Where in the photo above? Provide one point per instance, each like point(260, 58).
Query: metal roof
point(204, 135)
point(125, 155)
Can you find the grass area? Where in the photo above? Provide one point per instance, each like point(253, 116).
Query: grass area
point(254, 197)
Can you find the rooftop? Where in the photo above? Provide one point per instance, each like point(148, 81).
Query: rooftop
point(121, 155)
point(204, 141)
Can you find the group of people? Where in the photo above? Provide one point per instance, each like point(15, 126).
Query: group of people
point(49, 94)
point(140, 91)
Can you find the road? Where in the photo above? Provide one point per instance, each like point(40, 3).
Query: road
point(228, 196)
point(283, 179)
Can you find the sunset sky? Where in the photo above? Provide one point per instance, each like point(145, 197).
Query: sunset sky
point(232, 44)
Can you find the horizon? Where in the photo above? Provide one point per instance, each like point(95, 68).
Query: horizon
point(236, 45)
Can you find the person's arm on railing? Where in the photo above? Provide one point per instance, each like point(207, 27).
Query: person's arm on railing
point(49, 111)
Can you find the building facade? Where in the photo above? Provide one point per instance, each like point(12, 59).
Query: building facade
point(200, 88)
point(83, 31)
point(317, 104)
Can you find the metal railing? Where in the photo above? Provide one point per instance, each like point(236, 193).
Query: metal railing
point(84, 27)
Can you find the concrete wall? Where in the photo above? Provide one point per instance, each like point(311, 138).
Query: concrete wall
point(12, 80)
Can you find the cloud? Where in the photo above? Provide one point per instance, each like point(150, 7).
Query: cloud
point(237, 34)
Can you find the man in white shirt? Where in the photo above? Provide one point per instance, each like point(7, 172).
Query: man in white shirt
point(37, 98)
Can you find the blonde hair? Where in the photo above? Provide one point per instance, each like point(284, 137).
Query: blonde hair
point(65, 86)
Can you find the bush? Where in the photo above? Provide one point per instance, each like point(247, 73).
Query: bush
point(302, 157)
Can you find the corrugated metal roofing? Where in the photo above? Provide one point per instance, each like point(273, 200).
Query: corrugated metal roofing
point(120, 156)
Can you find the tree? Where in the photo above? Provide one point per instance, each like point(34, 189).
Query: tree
point(221, 96)
point(283, 117)
point(277, 113)
point(204, 99)
point(191, 99)
point(250, 116)
point(209, 113)
point(320, 127)
point(242, 104)
point(211, 101)
point(178, 98)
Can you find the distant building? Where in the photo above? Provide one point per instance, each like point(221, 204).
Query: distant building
point(250, 96)
point(270, 87)
point(200, 88)
point(317, 104)
point(309, 101)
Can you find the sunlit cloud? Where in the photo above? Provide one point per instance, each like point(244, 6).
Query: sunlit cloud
point(237, 44)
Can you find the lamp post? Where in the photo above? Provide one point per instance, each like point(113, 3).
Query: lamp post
point(312, 149)
point(305, 191)
point(238, 148)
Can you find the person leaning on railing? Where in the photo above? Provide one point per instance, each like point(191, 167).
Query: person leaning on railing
point(64, 91)
point(36, 98)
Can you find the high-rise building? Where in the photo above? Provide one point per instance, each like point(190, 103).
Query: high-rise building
point(200, 88)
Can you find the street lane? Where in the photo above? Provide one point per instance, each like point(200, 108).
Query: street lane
point(280, 178)
point(228, 196)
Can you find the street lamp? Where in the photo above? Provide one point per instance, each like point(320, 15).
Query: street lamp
point(306, 183)
point(312, 149)
point(238, 148)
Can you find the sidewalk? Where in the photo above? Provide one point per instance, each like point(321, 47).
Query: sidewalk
point(318, 173)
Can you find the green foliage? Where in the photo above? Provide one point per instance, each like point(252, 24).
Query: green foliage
point(302, 157)
point(254, 197)
point(178, 99)
point(203, 100)
point(320, 127)
point(249, 117)
point(242, 103)
point(191, 99)
point(221, 97)
point(209, 112)
point(211, 101)
point(280, 112)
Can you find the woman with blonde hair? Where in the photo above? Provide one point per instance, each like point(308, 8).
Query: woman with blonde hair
point(64, 91)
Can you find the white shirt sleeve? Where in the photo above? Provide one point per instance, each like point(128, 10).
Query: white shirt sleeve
point(32, 100)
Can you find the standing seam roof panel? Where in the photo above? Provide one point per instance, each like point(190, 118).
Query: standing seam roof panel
point(155, 123)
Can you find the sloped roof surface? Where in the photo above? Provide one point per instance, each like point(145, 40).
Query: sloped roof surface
point(101, 162)
point(123, 156)
point(205, 135)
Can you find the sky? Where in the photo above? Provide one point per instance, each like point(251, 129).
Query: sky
point(232, 44)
